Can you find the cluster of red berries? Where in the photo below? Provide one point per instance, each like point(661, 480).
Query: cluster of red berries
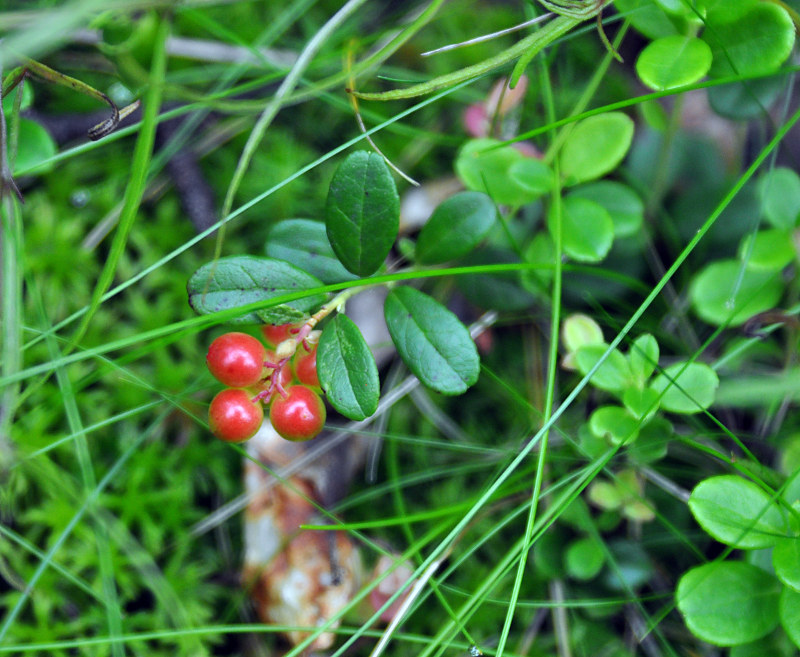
point(282, 376)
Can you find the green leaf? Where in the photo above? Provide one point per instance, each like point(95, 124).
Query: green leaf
point(623, 204)
point(431, 340)
point(595, 147)
point(737, 512)
point(484, 165)
point(673, 61)
point(790, 614)
point(643, 357)
point(614, 424)
point(579, 330)
point(362, 215)
point(723, 293)
point(771, 250)
point(532, 175)
point(613, 375)
point(456, 227)
point(586, 228)
point(347, 370)
point(646, 17)
point(304, 244)
point(728, 603)
point(651, 445)
point(240, 280)
point(748, 38)
point(779, 190)
point(786, 561)
point(745, 100)
point(641, 402)
point(35, 146)
point(690, 388)
point(584, 559)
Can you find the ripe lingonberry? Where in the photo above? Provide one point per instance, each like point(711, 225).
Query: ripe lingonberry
point(233, 416)
point(274, 335)
point(300, 415)
point(305, 367)
point(236, 359)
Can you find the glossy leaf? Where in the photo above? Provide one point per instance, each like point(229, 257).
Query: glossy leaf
point(347, 370)
point(484, 165)
point(721, 293)
point(673, 61)
point(624, 206)
point(728, 603)
point(304, 244)
point(431, 340)
point(613, 375)
point(790, 614)
point(587, 231)
point(240, 280)
point(737, 512)
point(688, 388)
point(768, 250)
point(779, 191)
point(362, 213)
point(456, 227)
point(595, 147)
point(786, 561)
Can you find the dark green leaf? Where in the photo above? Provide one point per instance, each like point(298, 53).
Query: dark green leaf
point(456, 227)
point(304, 244)
point(240, 280)
point(347, 370)
point(362, 214)
point(727, 603)
point(431, 340)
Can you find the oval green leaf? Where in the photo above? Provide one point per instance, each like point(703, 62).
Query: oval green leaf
point(779, 191)
point(643, 357)
point(768, 250)
point(362, 214)
point(587, 230)
point(673, 61)
point(790, 614)
point(35, 145)
point(786, 561)
point(624, 205)
point(614, 373)
point(737, 512)
point(240, 280)
point(722, 293)
point(728, 603)
point(304, 243)
point(431, 340)
point(614, 424)
point(484, 165)
point(532, 175)
point(688, 388)
point(347, 370)
point(595, 147)
point(455, 228)
point(584, 558)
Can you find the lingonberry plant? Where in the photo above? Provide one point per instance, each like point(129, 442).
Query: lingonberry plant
point(234, 416)
point(299, 415)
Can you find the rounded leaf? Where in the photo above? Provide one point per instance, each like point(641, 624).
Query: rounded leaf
point(347, 370)
point(35, 145)
point(737, 512)
point(767, 250)
point(673, 61)
point(688, 388)
point(304, 244)
point(641, 402)
point(643, 357)
point(362, 214)
point(532, 175)
point(728, 603)
point(779, 190)
point(790, 614)
point(722, 293)
point(595, 146)
point(587, 230)
point(614, 373)
point(624, 205)
point(455, 228)
point(240, 280)
point(786, 561)
point(584, 558)
point(484, 165)
point(431, 340)
point(614, 424)
point(579, 330)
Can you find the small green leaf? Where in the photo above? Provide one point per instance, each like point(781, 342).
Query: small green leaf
point(456, 227)
point(790, 614)
point(647, 17)
point(641, 402)
point(586, 228)
point(690, 388)
point(304, 244)
point(723, 293)
point(768, 250)
point(786, 561)
point(614, 424)
point(737, 512)
point(579, 330)
point(584, 559)
point(484, 165)
point(532, 175)
point(779, 190)
point(623, 204)
point(613, 375)
point(727, 603)
point(643, 357)
point(347, 370)
point(362, 214)
point(673, 61)
point(431, 340)
point(35, 145)
point(595, 147)
point(240, 280)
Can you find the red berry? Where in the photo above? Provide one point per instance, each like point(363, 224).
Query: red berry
point(236, 359)
point(274, 335)
point(233, 416)
point(305, 367)
point(298, 416)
